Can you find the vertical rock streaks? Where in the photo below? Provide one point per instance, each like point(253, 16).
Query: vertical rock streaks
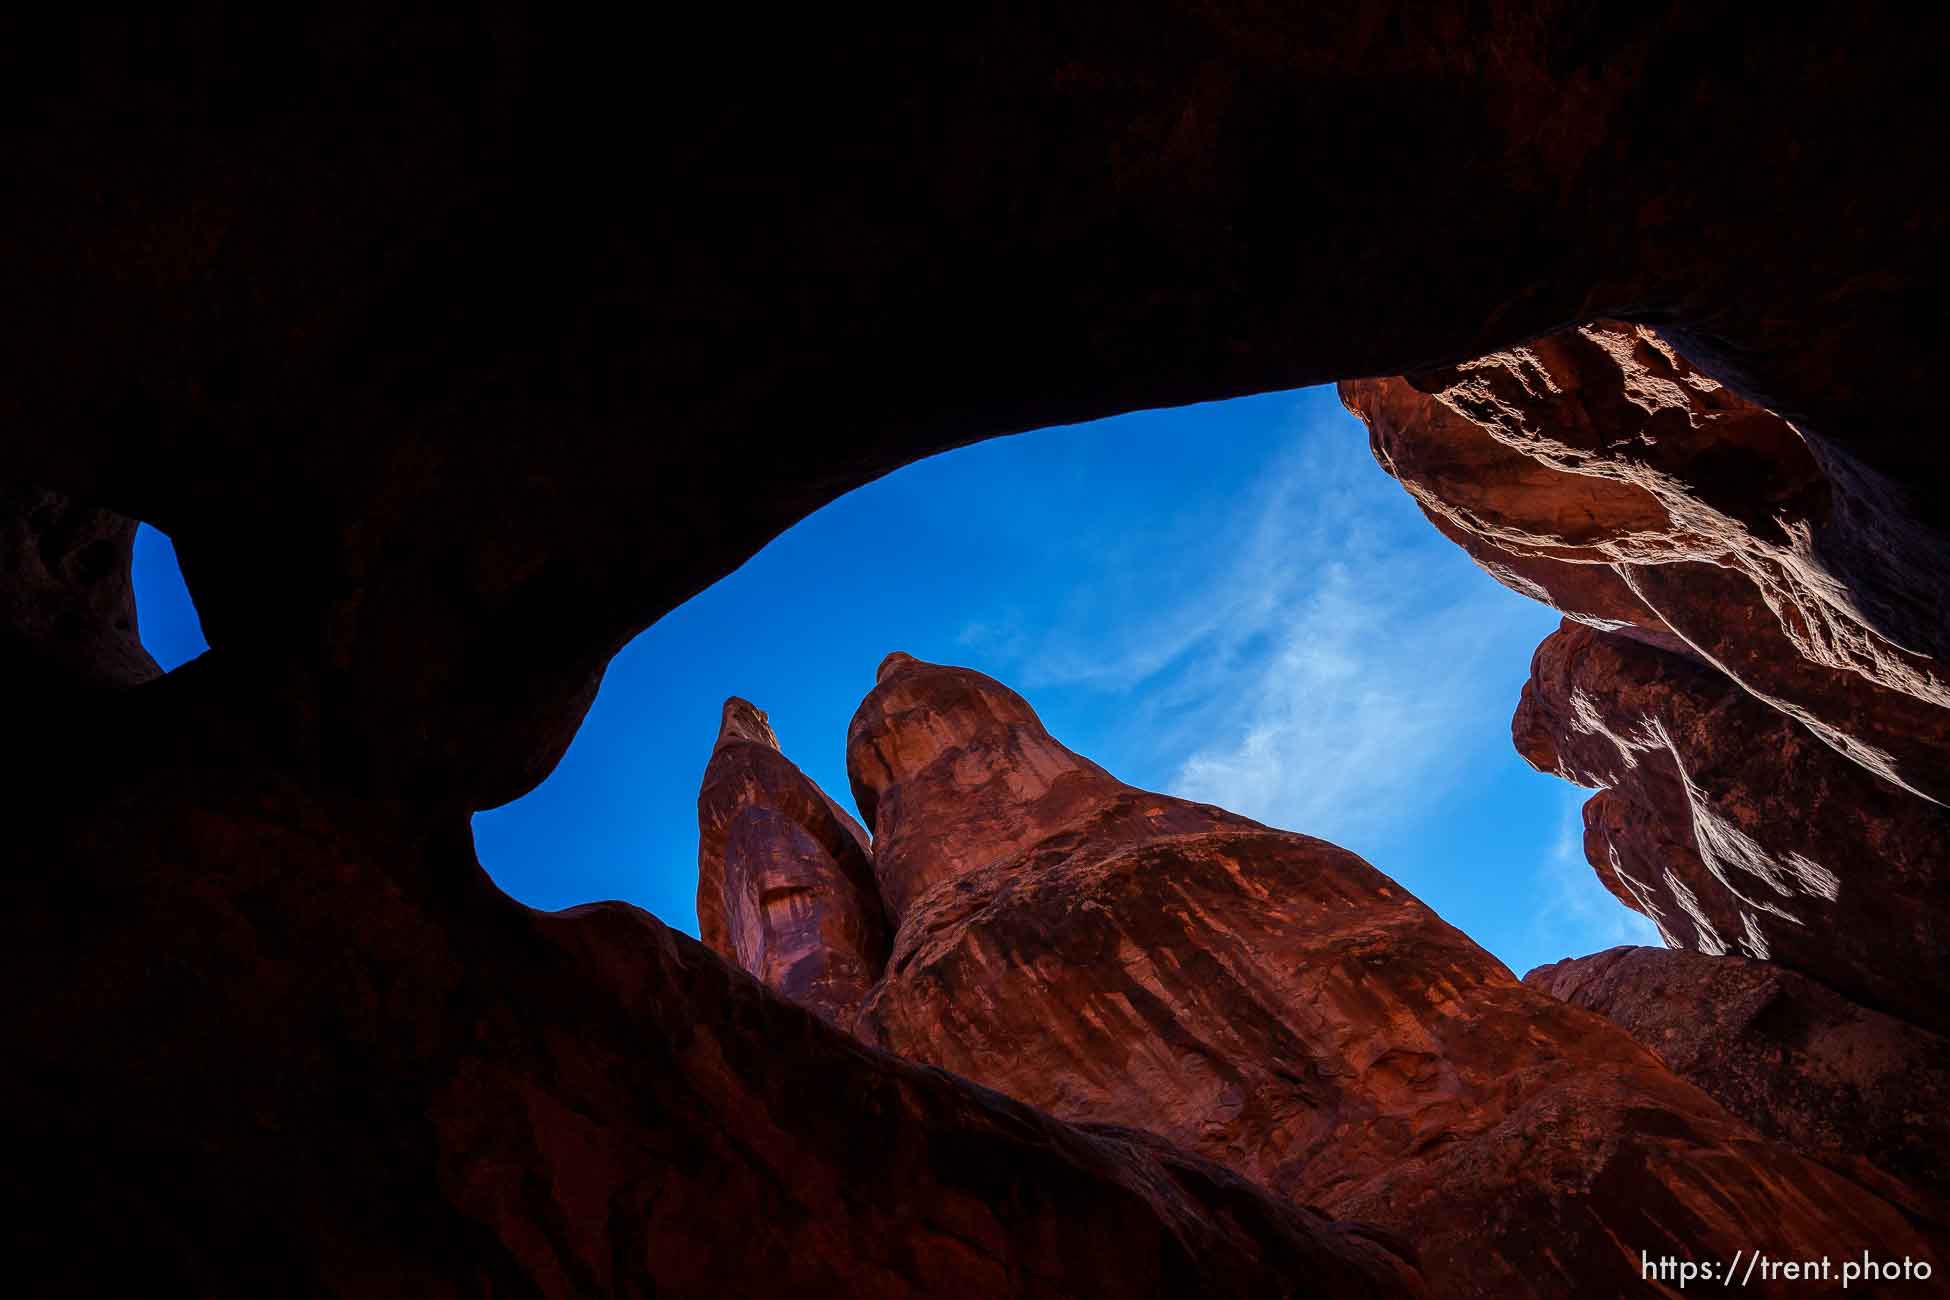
point(1275, 1004)
point(785, 877)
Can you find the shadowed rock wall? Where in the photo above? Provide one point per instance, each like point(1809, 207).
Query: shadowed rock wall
point(453, 350)
point(1793, 1058)
point(67, 611)
point(300, 1045)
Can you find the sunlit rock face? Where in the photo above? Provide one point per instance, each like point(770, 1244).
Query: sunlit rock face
point(785, 877)
point(1758, 688)
point(952, 769)
point(1596, 470)
point(1735, 829)
point(1276, 1004)
point(1789, 1055)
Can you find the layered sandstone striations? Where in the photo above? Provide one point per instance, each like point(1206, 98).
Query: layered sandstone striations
point(453, 349)
point(1759, 689)
point(785, 882)
point(1273, 1002)
point(1736, 830)
point(955, 770)
point(1790, 1056)
point(1596, 470)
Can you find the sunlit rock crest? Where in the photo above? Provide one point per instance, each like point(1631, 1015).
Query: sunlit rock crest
point(1275, 1004)
point(1758, 690)
point(1596, 470)
point(785, 877)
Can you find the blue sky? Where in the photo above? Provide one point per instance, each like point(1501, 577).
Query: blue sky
point(1229, 602)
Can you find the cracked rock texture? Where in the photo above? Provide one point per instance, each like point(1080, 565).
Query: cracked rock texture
point(1735, 829)
point(1275, 1004)
point(785, 881)
point(1792, 1057)
point(1596, 470)
point(67, 611)
point(1752, 670)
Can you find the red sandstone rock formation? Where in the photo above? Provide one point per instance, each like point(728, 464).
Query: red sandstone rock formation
point(1274, 1003)
point(1791, 1057)
point(954, 770)
point(425, 1088)
point(1594, 469)
point(1744, 596)
point(785, 883)
point(452, 351)
point(1737, 831)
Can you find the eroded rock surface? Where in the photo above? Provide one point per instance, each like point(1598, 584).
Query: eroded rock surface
point(1788, 1055)
point(785, 883)
point(1735, 829)
point(1598, 471)
point(479, 1099)
point(424, 504)
point(953, 770)
point(1759, 689)
point(1276, 1004)
point(67, 611)
point(453, 350)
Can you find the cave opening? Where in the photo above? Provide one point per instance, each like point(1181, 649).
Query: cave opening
point(456, 351)
point(1228, 601)
point(166, 616)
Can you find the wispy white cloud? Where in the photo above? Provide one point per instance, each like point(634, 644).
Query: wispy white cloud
point(1000, 636)
point(1317, 657)
point(1301, 659)
point(1371, 692)
point(1198, 590)
point(1575, 907)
